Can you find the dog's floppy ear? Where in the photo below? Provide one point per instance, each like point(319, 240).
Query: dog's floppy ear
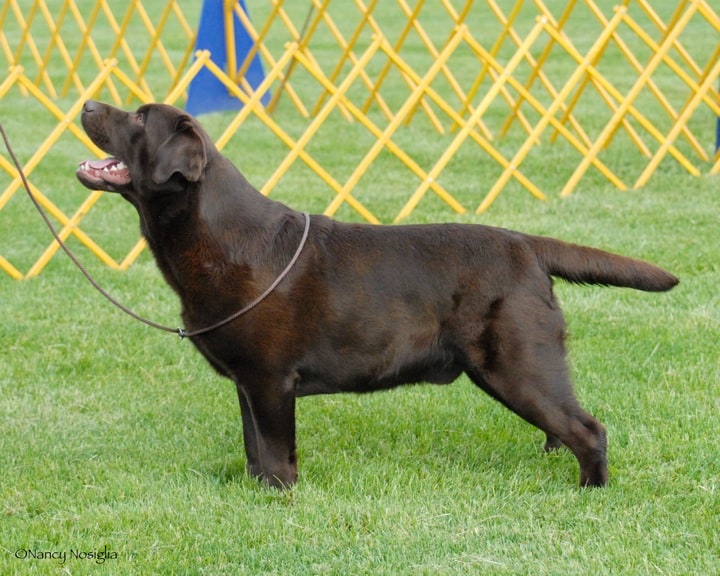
point(183, 152)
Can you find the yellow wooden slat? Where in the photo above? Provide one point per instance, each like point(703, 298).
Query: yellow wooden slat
point(679, 125)
point(464, 132)
point(10, 269)
point(265, 117)
point(626, 104)
point(525, 86)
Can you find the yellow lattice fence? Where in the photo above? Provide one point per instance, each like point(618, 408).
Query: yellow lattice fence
point(620, 90)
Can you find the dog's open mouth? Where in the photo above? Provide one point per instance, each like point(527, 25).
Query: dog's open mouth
point(108, 174)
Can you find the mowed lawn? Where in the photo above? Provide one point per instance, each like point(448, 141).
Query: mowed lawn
point(121, 450)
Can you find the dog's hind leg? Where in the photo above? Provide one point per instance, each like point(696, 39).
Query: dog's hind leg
point(552, 408)
point(520, 361)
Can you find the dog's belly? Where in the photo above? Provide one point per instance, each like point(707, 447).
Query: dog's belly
point(366, 374)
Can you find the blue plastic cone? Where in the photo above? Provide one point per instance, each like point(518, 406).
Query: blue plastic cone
point(206, 93)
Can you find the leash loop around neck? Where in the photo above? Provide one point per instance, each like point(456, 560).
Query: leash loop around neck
point(183, 333)
point(179, 331)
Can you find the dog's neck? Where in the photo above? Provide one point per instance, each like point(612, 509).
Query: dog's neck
point(230, 202)
point(217, 231)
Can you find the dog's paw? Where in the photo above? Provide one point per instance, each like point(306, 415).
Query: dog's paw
point(552, 444)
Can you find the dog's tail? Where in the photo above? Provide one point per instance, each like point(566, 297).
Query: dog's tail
point(585, 265)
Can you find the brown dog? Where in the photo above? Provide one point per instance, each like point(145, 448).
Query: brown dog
point(364, 308)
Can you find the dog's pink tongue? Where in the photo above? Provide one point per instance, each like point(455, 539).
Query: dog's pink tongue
point(100, 164)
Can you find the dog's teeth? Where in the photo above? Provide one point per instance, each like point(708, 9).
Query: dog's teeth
point(115, 167)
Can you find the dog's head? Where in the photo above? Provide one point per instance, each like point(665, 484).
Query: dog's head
point(156, 149)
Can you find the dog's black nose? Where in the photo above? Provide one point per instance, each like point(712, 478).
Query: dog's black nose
point(90, 106)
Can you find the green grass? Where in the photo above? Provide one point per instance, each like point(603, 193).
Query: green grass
point(115, 435)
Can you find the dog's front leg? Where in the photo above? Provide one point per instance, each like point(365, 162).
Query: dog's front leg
point(250, 437)
point(268, 413)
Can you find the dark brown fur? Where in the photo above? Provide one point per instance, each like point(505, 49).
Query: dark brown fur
point(365, 307)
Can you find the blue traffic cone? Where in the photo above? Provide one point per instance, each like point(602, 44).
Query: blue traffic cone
point(206, 93)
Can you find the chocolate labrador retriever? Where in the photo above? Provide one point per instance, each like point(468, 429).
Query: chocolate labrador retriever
point(364, 308)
